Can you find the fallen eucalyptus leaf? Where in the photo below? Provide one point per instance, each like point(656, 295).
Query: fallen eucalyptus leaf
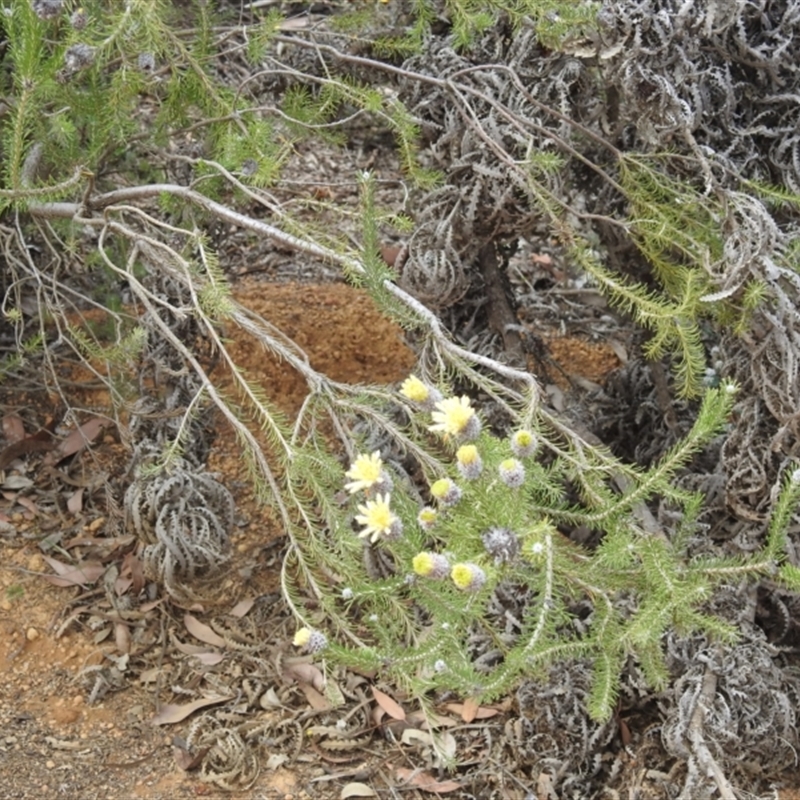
point(122, 637)
point(270, 699)
point(209, 659)
point(78, 575)
point(316, 700)
point(202, 632)
point(242, 607)
point(412, 736)
point(390, 706)
point(13, 428)
point(302, 671)
point(75, 502)
point(357, 790)
point(13, 482)
point(82, 436)
point(425, 782)
point(184, 757)
point(470, 713)
point(171, 713)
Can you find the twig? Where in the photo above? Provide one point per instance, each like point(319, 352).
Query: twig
point(698, 744)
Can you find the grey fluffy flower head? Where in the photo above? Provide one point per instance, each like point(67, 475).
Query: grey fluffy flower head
point(47, 9)
point(78, 57)
point(502, 544)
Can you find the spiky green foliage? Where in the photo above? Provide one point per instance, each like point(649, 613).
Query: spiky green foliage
point(13, 361)
point(418, 627)
point(67, 129)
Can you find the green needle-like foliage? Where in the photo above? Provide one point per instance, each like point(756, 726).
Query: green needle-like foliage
point(453, 567)
point(496, 534)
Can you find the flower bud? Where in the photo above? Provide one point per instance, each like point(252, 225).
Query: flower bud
point(420, 393)
point(469, 462)
point(47, 9)
point(446, 492)
point(469, 577)
point(512, 473)
point(79, 20)
point(146, 62)
point(427, 518)
point(502, 544)
point(311, 641)
point(523, 444)
point(431, 565)
point(78, 57)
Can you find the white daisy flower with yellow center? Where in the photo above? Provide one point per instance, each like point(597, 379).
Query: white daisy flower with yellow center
point(365, 472)
point(456, 417)
point(378, 519)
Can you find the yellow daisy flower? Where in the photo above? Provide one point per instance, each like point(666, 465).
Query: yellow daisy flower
point(301, 637)
point(455, 417)
point(378, 519)
point(365, 472)
point(414, 389)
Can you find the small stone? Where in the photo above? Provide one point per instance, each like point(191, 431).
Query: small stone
point(50, 764)
point(32, 634)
